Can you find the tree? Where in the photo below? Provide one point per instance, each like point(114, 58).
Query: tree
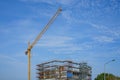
point(108, 77)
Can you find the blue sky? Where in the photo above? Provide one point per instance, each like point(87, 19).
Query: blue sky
point(85, 31)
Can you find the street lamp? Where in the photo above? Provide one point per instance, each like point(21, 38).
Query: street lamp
point(105, 66)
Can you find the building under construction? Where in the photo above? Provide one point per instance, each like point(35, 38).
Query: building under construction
point(64, 70)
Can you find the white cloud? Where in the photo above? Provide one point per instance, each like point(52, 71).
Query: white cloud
point(44, 1)
point(55, 41)
point(118, 51)
point(112, 32)
point(104, 39)
point(67, 15)
point(63, 44)
point(20, 31)
point(67, 50)
point(7, 58)
point(63, 2)
point(10, 60)
point(4, 31)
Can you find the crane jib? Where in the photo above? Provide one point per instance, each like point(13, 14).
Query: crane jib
point(28, 52)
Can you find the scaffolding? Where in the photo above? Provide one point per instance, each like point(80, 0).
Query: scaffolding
point(63, 70)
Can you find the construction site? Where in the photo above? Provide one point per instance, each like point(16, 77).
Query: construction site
point(64, 70)
point(57, 69)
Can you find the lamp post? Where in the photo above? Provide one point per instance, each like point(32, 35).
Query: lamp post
point(105, 67)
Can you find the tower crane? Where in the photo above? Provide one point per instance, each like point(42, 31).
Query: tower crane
point(30, 46)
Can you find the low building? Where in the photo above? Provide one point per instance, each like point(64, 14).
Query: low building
point(63, 70)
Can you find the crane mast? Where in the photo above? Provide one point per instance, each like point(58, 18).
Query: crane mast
point(30, 46)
